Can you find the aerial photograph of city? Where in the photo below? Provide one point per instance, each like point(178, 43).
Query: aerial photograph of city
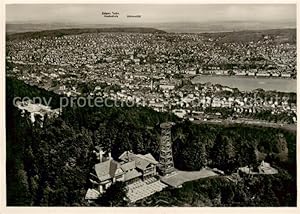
point(151, 105)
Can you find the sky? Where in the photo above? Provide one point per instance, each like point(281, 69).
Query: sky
point(92, 13)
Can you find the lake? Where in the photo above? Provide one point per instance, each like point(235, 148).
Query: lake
point(249, 84)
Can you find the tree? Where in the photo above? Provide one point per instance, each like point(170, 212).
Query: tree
point(115, 195)
point(224, 154)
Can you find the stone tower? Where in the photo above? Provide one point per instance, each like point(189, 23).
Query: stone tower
point(166, 164)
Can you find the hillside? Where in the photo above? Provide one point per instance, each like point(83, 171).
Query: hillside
point(76, 31)
point(18, 31)
point(38, 171)
point(278, 35)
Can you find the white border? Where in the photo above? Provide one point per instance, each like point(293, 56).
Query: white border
point(130, 210)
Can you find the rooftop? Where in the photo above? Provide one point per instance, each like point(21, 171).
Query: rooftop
point(166, 125)
point(106, 169)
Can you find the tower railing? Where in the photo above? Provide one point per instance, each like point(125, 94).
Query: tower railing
point(166, 163)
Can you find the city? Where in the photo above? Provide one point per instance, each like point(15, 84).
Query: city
point(149, 70)
point(171, 114)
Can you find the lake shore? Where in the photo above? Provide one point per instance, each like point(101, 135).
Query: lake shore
point(249, 83)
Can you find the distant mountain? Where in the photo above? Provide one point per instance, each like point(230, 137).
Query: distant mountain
point(245, 36)
point(25, 27)
point(221, 26)
point(278, 36)
point(174, 27)
point(74, 31)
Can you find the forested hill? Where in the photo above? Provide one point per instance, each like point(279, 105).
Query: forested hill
point(76, 31)
point(247, 36)
point(50, 166)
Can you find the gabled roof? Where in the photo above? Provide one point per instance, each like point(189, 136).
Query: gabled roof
point(149, 158)
point(132, 174)
point(107, 169)
point(128, 166)
point(141, 161)
point(92, 194)
point(127, 156)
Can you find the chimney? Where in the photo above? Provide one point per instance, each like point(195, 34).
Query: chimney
point(101, 155)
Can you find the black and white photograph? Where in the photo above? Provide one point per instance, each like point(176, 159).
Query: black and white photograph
point(150, 105)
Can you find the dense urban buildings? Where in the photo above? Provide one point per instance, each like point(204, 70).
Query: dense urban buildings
point(197, 111)
point(160, 70)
